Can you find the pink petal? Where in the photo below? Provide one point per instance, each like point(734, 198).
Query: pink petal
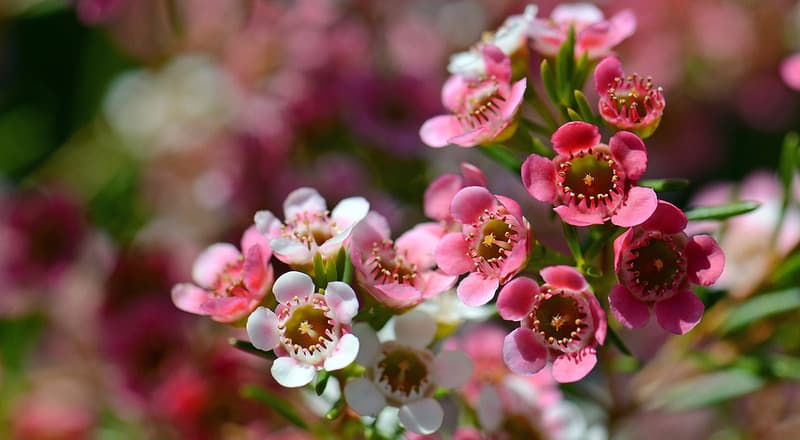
point(210, 263)
point(432, 283)
point(638, 206)
point(256, 274)
point(574, 217)
point(291, 252)
point(267, 224)
point(262, 329)
point(498, 65)
point(706, 260)
point(680, 313)
point(511, 206)
point(398, 295)
point(419, 244)
point(252, 238)
point(452, 254)
point(473, 176)
point(576, 12)
point(190, 298)
point(516, 260)
point(227, 309)
point(630, 151)
point(626, 309)
point(342, 299)
point(564, 277)
point(477, 289)
point(606, 73)
point(667, 218)
point(514, 99)
point(470, 203)
point(790, 71)
point(292, 284)
point(539, 178)
point(523, 353)
point(349, 211)
point(573, 367)
point(619, 243)
point(373, 229)
point(453, 92)
point(483, 133)
point(343, 354)
point(303, 200)
point(439, 130)
point(439, 194)
point(575, 136)
point(623, 25)
point(516, 299)
point(600, 320)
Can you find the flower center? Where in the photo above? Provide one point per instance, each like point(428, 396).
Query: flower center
point(484, 97)
point(634, 97)
point(521, 426)
point(590, 176)
point(388, 266)
point(310, 228)
point(657, 267)
point(404, 372)
point(559, 318)
point(491, 239)
point(307, 330)
point(229, 282)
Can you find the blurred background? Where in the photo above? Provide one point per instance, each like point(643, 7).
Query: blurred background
point(134, 133)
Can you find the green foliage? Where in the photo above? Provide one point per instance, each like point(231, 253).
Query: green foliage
point(280, 405)
point(762, 306)
point(721, 212)
point(665, 185)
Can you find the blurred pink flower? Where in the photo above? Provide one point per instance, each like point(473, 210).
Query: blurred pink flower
point(482, 108)
point(561, 321)
point(50, 418)
point(656, 264)
point(492, 244)
point(99, 11)
point(594, 35)
point(440, 192)
point(229, 285)
point(790, 71)
point(628, 102)
point(592, 182)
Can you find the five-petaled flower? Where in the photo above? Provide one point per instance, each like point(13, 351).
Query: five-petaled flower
point(229, 283)
point(492, 244)
point(309, 331)
point(483, 108)
point(656, 264)
point(561, 321)
point(440, 192)
point(592, 182)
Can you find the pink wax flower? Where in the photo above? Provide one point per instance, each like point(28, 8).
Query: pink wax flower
point(492, 244)
point(656, 264)
point(99, 11)
point(790, 71)
point(309, 228)
point(561, 321)
point(592, 182)
point(308, 331)
point(229, 285)
point(594, 35)
point(628, 102)
point(441, 191)
point(401, 273)
point(483, 108)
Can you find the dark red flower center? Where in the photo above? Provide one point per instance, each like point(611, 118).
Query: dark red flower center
point(387, 265)
point(560, 319)
point(591, 176)
point(657, 266)
point(403, 370)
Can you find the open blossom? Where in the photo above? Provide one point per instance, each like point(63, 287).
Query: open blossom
point(308, 331)
point(594, 35)
point(309, 228)
point(401, 273)
point(628, 102)
point(656, 264)
point(511, 38)
point(404, 374)
point(483, 108)
point(592, 182)
point(228, 284)
point(441, 191)
point(561, 321)
point(492, 244)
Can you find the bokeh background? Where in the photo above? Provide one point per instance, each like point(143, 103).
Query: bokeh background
point(134, 133)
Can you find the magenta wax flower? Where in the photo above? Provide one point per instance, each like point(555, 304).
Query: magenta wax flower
point(483, 108)
point(628, 102)
point(310, 228)
point(308, 331)
point(401, 273)
point(441, 191)
point(592, 182)
point(229, 285)
point(561, 321)
point(656, 264)
point(594, 35)
point(492, 244)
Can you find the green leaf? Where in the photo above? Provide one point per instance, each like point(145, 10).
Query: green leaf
point(584, 108)
point(582, 69)
point(788, 161)
point(574, 244)
point(617, 341)
point(549, 81)
point(335, 410)
point(785, 367)
point(248, 347)
point(762, 306)
point(665, 185)
point(499, 154)
point(541, 149)
point(788, 270)
point(347, 272)
point(320, 276)
point(721, 212)
point(278, 404)
point(330, 269)
point(709, 389)
point(565, 68)
point(322, 381)
point(573, 115)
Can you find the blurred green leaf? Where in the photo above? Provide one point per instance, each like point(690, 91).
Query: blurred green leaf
point(721, 212)
point(19, 336)
point(785, 367)
point(347, 272)
point(573, 115)
point(320, 276)
point(584, 108)
point(549, 81)
point(709, 389)
point(499, 154)
point(248, 347)
point(23, 139)
point(665, 185)
point(335, 410)
point(788, 270)
point(762, 306)
point(788, 162)
point(574, 244)
point(322, 381)
point(565, 69)
point(276, 403)
point(617, 341)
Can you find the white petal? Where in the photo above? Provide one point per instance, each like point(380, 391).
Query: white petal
point(344, 354)
point(577, 12)
point(266, 222)
point(211, 262)
point(292, 374)
point(291, 252)
point(490, 408)
point(350, 211)
point(368, 344)
point(262, 328)
point(364, 397)
point(452, 368)
point(303, 199)
point(422, 416)
point(342, 299)
point(292, 284)
point(415, 329)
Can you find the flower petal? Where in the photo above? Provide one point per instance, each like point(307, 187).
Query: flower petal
point(523, 353)
point(606, 73)
point(256, 274)
point(477, 289)
point(637, 207)
point(368, 343)
point(473, 176)
point(667, 218)
point(415, 329)
point(373, 229)
point(292, 374)
point(422, 416)
point(564, 277)
point(344, 354)
point(252, 237)
point(600, 319)
point(630, 151)
point(452, 369)
point(439, 194)
point(706, 260)
point(453, 91)
point(514, 99)
point(437, 131)
point(342, 299)
point(303, 200)
point(573, 367)
point(396, 295)
point(626, 309)
point(364, 397)
point(451, 254)
point(349, 211)
point(419, 244)
point(498, 65)
point(190, 298)
point(575, 136)
point(228, 309)
point(267, 223)
point(516, 299)
point(574, 217)
point(539, 178)
point(292, 284)
point(490, 408)
point(262, 329)
point(680, 313)
point(291, 252)
point(470, 203)
point(576, 12)
point(211, 262)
